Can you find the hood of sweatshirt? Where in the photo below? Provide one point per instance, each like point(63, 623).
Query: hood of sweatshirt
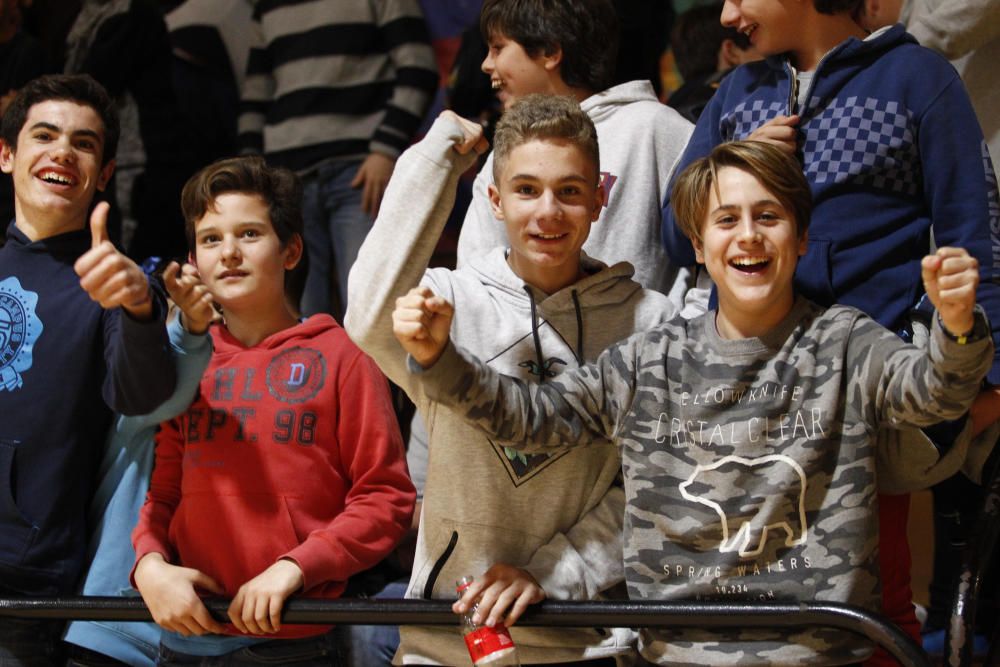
point(65, 247)
point(226, 344)
point(602, 284)
point(838, 67)
point(602, 307)
point(854, 52)
point(602, 105)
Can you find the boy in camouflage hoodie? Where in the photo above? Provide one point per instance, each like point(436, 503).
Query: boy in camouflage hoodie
point(747, 434)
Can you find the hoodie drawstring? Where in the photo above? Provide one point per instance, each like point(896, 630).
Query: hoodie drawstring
point(579, 329)
point(534, 334)
point(537, 339)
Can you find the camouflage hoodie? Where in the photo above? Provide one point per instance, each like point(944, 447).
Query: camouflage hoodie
point(749, 464)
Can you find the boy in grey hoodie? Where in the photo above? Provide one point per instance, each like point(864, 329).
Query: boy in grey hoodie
point(748, 433)
point(520, 524)
point(568, 47)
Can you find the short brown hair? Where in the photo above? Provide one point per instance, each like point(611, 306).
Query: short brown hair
point(544, 117)
point(79, 89)
point(778, 172)
point(834, 7)
point(278, 187)
point(585, 30)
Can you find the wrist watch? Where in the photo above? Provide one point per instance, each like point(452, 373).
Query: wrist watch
point(980, 328)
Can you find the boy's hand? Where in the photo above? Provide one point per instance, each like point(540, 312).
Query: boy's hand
point(191, 296)
point(169, 592)
point(499, 588)
point(472, 134)
point(373, 177)
point(109, 277)
point(421, 322)
point(256, 609)
point(781, 131)
point(951, 277)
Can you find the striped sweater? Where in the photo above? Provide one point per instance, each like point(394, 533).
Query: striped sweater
point(335, 79)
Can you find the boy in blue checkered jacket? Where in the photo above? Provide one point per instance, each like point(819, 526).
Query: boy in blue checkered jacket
point(894, 155)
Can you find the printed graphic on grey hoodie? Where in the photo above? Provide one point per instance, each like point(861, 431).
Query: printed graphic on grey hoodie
point(749, 464)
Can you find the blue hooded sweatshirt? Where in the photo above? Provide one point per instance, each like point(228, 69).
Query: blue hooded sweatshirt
point(893, 153)
point(65, 363)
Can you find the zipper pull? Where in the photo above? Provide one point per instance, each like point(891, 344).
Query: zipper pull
point(793, 90)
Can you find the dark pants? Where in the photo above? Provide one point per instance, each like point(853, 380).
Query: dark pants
point(78, 656)
point(30, 642)
point(318, 651)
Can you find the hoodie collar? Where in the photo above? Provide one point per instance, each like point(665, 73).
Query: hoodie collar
point(67, 246)
point(226, 343)
point(602, 284)
point(853, 47)
point(603, 104)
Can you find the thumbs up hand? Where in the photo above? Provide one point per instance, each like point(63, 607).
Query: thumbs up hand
point(109, 277)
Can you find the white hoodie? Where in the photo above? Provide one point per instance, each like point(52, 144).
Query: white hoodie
point(640, 141)
point(558, 516)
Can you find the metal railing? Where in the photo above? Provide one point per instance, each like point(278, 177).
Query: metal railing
point(550, 613)
point(978, 556)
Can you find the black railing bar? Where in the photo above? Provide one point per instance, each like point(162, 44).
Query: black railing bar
point(650, 614)
point(977, 557)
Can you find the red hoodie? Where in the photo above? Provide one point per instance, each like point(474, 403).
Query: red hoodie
point(291, 450)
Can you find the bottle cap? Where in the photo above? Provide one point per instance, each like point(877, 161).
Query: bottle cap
point(463, 583)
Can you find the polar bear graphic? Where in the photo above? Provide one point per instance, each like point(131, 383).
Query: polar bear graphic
point(753, 517)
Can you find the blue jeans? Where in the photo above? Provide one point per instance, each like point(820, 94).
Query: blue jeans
point(319, 651)
point(29, 642)
point(373, 645)
point(335, 228)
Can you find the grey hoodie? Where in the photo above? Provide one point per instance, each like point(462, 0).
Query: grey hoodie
point(640, 141)
point(558, 516)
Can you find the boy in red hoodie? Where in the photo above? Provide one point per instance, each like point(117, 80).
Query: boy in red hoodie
point(287, 472)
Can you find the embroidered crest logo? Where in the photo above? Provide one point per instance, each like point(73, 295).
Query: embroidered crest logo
point(19, 329)
point(296, 375)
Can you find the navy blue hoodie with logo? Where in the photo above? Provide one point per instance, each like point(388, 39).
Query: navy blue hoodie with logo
point(65, 364)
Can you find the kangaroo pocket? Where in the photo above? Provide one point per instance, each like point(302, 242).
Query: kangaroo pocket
point(232, 538)
point(19, 532)
point(453, 549)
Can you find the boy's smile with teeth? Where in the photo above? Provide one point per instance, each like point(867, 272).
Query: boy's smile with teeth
point(752, 264)
point(750, 245)
point(56, 166)
point(513, 72)
point(547, 195)
point(772, 26)
point(51, 176)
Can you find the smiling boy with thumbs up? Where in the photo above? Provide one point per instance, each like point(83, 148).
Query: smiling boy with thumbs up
point(81, 334)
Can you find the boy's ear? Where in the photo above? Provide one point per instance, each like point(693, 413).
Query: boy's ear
point(552, 61)
point(6, 157)
point(105, 175)
point(728, 55)
point(495, 204)
point(599, 196)
point(699, 251)
point(293, 252)
point(804, 243)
